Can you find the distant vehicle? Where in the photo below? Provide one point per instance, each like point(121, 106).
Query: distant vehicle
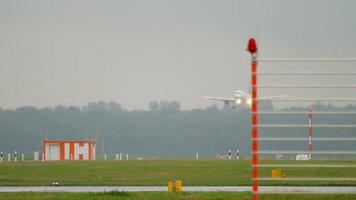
point(241, 98)
point(302, 157)
point(279, 156)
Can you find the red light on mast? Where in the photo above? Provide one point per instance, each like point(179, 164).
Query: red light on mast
point(252, 46)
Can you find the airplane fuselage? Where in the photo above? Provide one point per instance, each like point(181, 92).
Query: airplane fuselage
point(242, 98)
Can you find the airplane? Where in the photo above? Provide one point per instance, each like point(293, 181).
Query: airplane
point(242, 98)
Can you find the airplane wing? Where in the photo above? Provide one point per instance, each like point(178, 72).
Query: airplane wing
point(220, 98)
point(272, 97)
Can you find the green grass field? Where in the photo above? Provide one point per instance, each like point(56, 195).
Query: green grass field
point(158, 172)
point(164, 196)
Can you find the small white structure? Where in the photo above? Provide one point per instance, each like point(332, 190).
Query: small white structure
point(15, 156)
point(36, 155)
point(302, 157)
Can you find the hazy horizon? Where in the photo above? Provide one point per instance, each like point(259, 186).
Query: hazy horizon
point(133, 52)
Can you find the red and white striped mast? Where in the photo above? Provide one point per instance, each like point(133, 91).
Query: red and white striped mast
point(252, 48)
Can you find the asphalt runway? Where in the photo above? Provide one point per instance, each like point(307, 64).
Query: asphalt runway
point(263, 189)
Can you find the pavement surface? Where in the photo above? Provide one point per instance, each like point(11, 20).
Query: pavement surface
point(262, 189)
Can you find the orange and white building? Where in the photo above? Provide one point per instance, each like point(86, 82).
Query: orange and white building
point(68, 149)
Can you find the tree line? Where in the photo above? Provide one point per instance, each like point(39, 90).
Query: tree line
point(162, 130)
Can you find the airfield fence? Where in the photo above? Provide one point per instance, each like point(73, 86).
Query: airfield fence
point(293, 75)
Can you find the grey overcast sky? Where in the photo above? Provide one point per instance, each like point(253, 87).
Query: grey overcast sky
point(136, 51)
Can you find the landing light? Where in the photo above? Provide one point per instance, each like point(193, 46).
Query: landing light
point(238, 101)
point(249, 102)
